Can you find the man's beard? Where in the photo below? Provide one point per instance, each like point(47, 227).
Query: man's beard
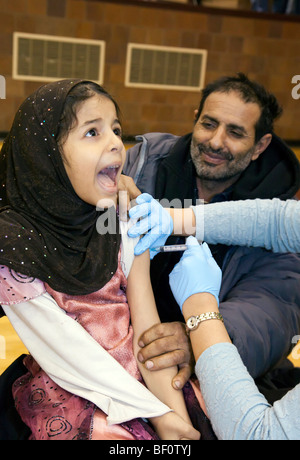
point(233, 166)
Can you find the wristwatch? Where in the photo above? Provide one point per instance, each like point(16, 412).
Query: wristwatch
point(193, 321)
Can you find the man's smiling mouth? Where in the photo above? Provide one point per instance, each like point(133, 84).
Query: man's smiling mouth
point(214, 157)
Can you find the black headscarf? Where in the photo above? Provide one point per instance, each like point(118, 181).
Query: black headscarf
point(46, 230)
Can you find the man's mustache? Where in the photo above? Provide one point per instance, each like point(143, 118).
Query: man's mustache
point(219, 153)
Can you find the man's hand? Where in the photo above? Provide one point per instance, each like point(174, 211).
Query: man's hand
point(165, 345)
point(126, 183)
point(128, 192)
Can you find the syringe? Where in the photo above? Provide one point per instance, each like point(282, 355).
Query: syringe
point(172, 248)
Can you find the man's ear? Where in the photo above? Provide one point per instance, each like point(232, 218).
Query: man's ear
point(261, 146)
point(195, 114)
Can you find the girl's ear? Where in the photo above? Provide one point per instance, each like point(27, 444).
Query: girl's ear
point(261, 146)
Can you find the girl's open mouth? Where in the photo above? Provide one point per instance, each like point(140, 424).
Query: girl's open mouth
point(107, 177)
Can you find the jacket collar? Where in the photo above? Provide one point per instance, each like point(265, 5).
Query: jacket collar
point(275, 174)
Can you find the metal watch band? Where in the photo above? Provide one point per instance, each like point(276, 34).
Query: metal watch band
point(193, 322)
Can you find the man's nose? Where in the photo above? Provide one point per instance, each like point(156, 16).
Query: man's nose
point(217, 139)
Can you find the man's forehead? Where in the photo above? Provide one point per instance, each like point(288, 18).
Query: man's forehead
point(230, 105)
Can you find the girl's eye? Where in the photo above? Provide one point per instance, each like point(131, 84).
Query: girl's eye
point(118, 132)
point(91, 133)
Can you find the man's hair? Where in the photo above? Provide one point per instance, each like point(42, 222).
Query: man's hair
point(250, 91)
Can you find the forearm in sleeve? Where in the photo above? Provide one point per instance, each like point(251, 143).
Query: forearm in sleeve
point(272, 224)
point(234, 405)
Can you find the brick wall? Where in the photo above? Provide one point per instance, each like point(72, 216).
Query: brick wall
point(266, 49)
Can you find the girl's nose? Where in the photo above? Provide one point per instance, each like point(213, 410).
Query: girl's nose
point(115, 142)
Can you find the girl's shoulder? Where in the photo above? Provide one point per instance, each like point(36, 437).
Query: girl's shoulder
point(16, 288)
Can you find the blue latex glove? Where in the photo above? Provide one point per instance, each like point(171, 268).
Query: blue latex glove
point(156, 224)
point(197, 271)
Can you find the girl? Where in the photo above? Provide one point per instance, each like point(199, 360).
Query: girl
point(62, 276)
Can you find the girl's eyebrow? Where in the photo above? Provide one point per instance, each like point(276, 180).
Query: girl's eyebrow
point(90, 122)
point(97, 120)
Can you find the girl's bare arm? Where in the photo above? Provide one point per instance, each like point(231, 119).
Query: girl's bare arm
point(144, 315)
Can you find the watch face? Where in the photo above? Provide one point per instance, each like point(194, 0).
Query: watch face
point(192, 322)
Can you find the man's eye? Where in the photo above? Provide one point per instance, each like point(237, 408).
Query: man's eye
point(207, 125)
point(236, 134)
point(92, 132)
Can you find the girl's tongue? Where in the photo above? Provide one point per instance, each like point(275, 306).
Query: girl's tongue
point(108, 176)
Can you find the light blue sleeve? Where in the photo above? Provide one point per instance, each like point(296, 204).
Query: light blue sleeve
point(234, 405)
point(272, 224)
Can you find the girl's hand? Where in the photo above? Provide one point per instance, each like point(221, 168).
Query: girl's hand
point(172, 427)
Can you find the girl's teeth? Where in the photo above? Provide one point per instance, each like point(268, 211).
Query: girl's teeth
point(110, 172)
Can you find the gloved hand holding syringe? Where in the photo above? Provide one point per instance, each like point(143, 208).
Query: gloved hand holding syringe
point(154, 224)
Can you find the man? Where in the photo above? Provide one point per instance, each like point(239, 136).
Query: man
point(231, 154)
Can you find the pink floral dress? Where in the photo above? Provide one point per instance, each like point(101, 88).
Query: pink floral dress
point(53, 413)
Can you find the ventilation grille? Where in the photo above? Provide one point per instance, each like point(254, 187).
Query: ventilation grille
point(165, 67)
point(49, 58)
